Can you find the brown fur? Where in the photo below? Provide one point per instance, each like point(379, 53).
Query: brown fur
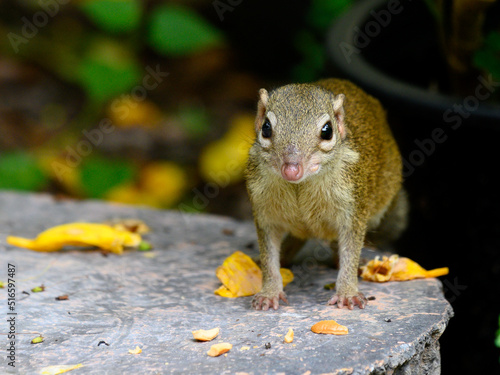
point(356, 188)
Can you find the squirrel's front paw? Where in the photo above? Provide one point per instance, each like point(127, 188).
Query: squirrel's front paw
point(265, 301)
point(350, 301)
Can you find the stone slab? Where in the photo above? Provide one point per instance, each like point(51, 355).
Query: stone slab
point(154, 300)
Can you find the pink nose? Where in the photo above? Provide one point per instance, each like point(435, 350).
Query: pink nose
point(292, 171)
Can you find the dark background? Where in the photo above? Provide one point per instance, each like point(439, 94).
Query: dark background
point(454, 196)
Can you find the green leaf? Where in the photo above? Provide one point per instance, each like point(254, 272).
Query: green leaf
point(20, 171)
point(176, 31)
point(114, 16)
point(106, 70)
point(145, 246)
point(100, 174)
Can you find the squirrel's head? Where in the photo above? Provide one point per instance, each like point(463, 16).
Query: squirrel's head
point(298, 129)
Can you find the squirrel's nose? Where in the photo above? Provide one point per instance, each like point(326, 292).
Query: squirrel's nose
point(292, 171)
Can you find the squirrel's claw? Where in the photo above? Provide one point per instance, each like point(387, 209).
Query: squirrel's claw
point(264, 302)
point(341, 301)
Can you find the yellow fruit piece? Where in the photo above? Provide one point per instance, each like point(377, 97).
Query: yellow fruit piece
point(131, 225)
point(58, 369)
point(330, 327)
point(395, 268)
point(218, 349)
point(206, 334)
point(379, 270)
point(289, 336)
point(241, 277)
point(137, 350)
point(407, 269)
point(79, 234)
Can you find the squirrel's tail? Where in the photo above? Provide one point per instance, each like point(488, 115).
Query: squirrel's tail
point(393, 223)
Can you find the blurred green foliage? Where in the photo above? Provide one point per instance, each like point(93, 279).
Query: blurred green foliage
point(106, 70)
point(488, 57)
point(310, 42)
point(99, 174)
point(175, 31)
point(103, 48)
point(114, 16)
point(20, 170)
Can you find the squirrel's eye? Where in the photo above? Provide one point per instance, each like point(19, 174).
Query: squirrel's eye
point(327, 131)
point(267, 130)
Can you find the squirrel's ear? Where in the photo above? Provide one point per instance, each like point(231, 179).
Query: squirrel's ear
point(338, 108)
point(261, 109)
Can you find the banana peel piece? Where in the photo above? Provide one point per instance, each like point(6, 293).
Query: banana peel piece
point(79, 234)
point(242, 277)
point(394, 268)
point(59, 369)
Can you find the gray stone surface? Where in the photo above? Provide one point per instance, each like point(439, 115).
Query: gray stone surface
point(155, 302)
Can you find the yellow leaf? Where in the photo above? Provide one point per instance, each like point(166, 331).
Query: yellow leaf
point(395, 268)
point(59, 369)
point(241, 277)
point(79, 234)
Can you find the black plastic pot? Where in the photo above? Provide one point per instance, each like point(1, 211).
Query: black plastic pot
point(390, 48)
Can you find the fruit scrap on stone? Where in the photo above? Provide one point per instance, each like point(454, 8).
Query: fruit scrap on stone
point(131, 225)
point(218, 349)
point(37, 340)
point(329, 327)
point(206, 334)
point(289, 336)
point(102, 236)
point(137, 350)
point(241, 276)
point(59, 369)
point(394, 268)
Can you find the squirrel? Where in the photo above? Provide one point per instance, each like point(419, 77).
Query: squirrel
point(324, 165)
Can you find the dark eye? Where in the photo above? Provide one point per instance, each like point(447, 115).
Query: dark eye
point(267, 130)
point(327, 131)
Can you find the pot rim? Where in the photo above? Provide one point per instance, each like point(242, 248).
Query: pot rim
point(342, 33)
